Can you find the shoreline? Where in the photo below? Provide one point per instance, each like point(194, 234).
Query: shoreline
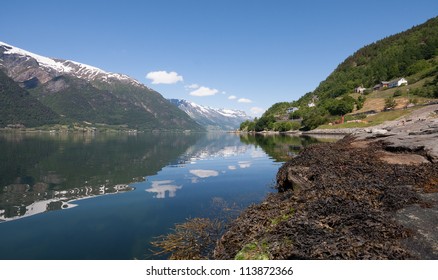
point(371, 195)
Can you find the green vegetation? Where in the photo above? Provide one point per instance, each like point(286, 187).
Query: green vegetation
point(412, 54)
point(113, 105)
point(275, 118)
point(400, 55)
point(253, 251)
point(372, 120)
point(390, 103)
point(283, 218)
point(18, 107)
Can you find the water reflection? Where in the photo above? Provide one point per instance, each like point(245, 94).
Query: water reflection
point(161, 187)
point(281, 147)
point(244, 164)
point(201, 173)
point(24, 203)
point(157, 180)
point(43, 172)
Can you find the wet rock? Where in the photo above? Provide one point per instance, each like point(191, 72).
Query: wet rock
point(337, 201)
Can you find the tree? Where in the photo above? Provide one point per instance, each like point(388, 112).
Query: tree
point(340, 107)
point(265, 123)
point(247, 126)
point(360, 102)
point(312, 118)
point(390, 103)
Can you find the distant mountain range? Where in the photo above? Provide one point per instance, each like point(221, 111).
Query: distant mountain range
point(37, 90)
point(211, 118)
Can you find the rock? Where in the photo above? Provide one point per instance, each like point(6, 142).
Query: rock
point(379, 131)
point(338, 201)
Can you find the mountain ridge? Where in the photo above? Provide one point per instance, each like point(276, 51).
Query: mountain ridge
point(62, 66)
point(211, 118)
point(79, 92)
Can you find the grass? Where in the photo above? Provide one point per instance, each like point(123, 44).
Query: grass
point(282, 218)
point(372, 120)
point(376, 99)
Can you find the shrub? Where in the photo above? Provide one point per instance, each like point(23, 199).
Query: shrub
point(390, 103)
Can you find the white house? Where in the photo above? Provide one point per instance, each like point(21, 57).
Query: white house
point(292, 109)
point(359, 89)
point(397, 82)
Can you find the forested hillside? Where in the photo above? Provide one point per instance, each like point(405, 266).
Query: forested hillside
point(411, 54)
point(400, 55)
point(18, 107)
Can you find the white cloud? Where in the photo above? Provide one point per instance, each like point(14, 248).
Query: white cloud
point(192, 86)
point(164, 77)
point(257, 110)
point(202, 173)
point(244, 100)
point(232, 167)
point(232, 97)
point(204, 91)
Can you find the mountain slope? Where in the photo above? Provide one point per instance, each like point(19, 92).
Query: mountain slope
point(412, 54)
point(399, 55)
point(79, 92)
point(211, 118)
point(18, 107)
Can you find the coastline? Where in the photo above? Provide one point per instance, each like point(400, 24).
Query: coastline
point(371, 195)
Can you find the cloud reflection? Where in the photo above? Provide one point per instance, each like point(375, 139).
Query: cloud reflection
point(161, 187)
point(203, 173)
point(258, 153)
point(244, 164)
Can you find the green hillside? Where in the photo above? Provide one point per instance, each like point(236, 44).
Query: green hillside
point(18, 107)
point(80, 101)
point(411, 54)
point(401, 55)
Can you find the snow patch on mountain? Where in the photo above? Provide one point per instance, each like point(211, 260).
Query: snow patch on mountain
point(212, 118)
point(42, 60)
point(77, 69)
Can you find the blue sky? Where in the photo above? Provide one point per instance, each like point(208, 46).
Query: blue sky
point(233, 54)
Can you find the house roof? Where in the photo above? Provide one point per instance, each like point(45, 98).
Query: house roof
point(396, 80)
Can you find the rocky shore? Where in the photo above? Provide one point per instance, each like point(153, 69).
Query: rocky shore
point(371, 195)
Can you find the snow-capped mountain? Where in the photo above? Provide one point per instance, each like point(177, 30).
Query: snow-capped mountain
point(52, 67)
point(211, 118)
point(77, 92)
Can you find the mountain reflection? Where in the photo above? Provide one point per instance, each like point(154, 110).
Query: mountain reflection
point(225, 148)
point(281, 147)
point(24, 203)
point(42, 172)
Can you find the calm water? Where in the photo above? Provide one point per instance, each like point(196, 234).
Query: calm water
point(107, 196)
